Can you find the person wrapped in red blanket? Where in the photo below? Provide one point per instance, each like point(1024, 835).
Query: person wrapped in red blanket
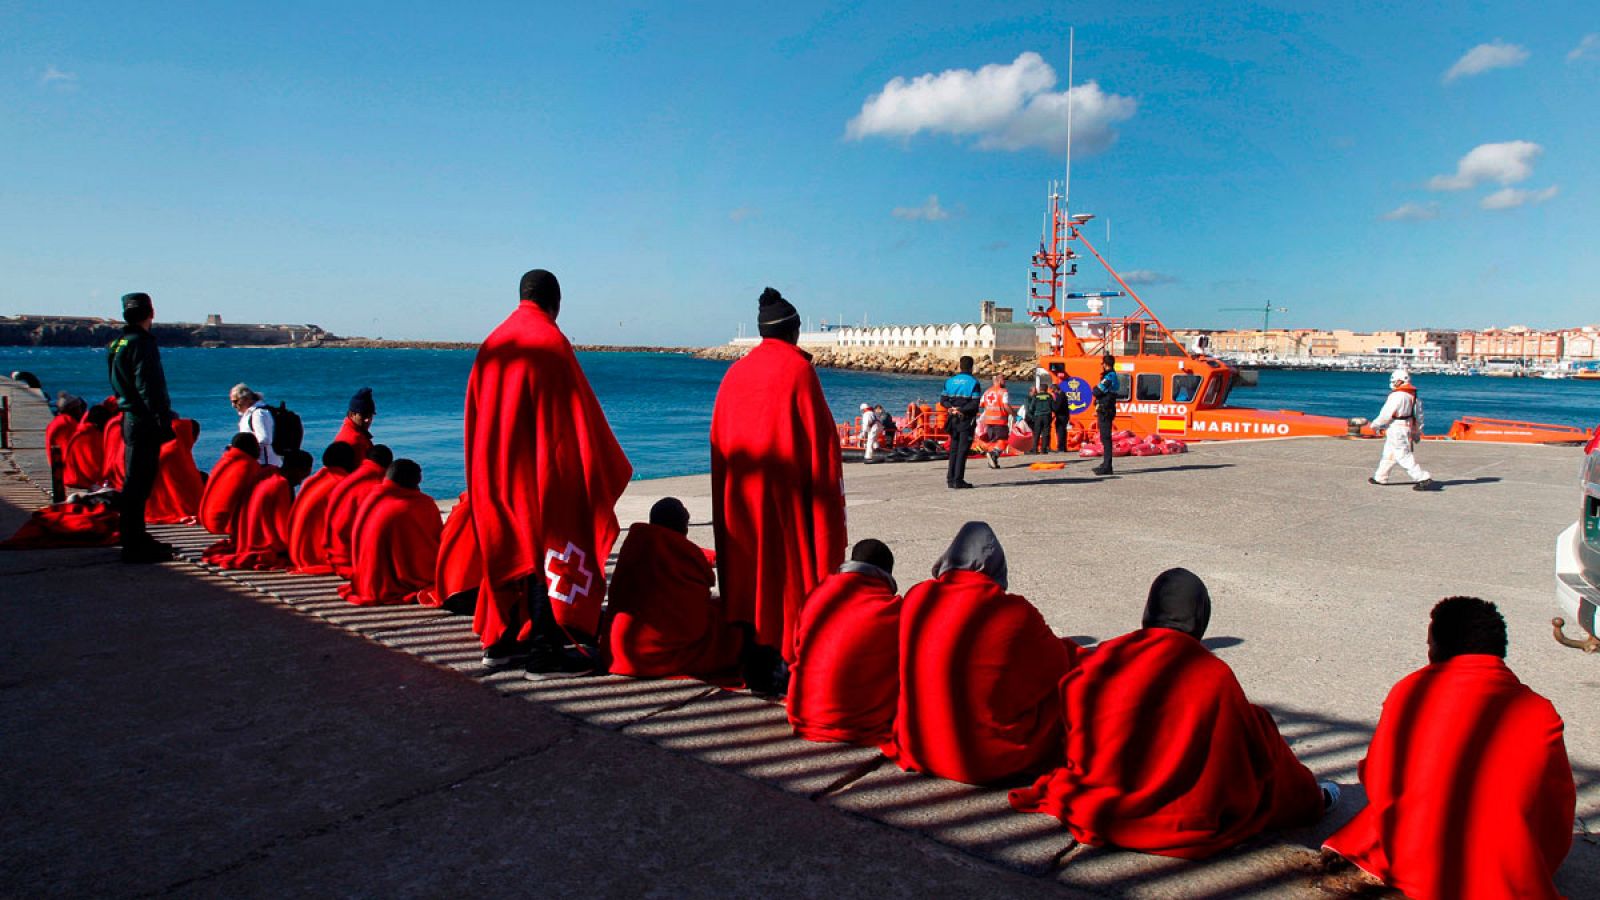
point(356, 429)
point(66, 525)
point(544, 473)
point(1469, 790)
point(777, 484)
point(979, 670)
point(227, 492)
point(395, 541)
point(458, 572)
point(1164, 754)
point(344, 501)
point(846, 678)
point(69, 412)
point(664, 621)
point(175, 498)
point(308, 520)
point(262, 541)
point(85, 457)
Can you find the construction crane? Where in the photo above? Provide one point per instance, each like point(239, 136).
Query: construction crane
point(1266, 312)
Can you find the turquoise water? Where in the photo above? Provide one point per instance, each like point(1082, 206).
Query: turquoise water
point(660, 404)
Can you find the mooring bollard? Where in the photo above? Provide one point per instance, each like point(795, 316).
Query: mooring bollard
point(5, 423)
point(58, 487)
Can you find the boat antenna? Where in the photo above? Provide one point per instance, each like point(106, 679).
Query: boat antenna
point(1066, 190)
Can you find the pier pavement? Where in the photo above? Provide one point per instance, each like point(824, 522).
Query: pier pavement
point(176, 730)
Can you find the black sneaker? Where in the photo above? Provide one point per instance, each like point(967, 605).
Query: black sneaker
point(994, 459)
point(1426, 484)
point(151, 552)
point(505, 654)
point(964, 484)
point(1099, 471)
point(1371, 480)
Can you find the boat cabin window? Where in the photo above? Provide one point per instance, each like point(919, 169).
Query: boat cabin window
point(1212, 389)
point(1148, 386)
point(1184, 387)
point(1124, 386)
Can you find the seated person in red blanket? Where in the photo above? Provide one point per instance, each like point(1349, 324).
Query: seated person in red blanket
point(846, 677)
point(344, 502)
point(262, 541)
point(664, 621)
point(85, 456)
point(979, 670)
point(394, 540)
point(1164, 754)
point(1469, 790)
point(69, 412)
point(228, 490)
point(308, 521)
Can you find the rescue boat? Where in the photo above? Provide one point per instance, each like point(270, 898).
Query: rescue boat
point(1578, 559)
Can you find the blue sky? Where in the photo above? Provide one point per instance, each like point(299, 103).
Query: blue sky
point(390, 169)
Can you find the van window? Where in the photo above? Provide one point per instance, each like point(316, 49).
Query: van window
point(1148, 386)
point(1184, 387)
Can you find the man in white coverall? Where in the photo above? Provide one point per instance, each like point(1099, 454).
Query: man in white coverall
point(1401, 424)
point(870, 429)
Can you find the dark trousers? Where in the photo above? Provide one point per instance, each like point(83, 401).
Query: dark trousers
point(1041, 434)
point(960, 445)
point(1062, 425)
point(1105, 441)
point(142, 457)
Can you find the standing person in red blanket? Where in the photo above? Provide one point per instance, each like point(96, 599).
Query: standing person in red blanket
point(308, 520)
point(1164, 754)
point(262, 541)
point(345, 500)
point(228, 489)
point(664, 622)
point(979, 670)
point(395, 541)
point(777, 484)
point(85, 456)
point(544, 473)
point(1469, 790)
point(846, 681)
point(175, 499)
point(69, 412)
point(356, 429)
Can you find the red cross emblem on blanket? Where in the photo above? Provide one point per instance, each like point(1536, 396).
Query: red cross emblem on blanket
point(567, 573)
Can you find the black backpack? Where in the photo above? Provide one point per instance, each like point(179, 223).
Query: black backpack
point(287, 432)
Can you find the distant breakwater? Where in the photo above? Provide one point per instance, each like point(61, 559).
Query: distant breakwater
point(912, 363)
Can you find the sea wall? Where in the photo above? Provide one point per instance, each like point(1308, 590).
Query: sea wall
point(82, 331)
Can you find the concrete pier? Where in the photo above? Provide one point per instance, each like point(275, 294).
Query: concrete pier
point(174, 730)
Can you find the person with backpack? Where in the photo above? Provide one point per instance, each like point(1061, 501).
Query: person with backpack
point(276, 428)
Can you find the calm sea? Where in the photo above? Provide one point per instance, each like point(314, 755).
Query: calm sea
point(660, 404)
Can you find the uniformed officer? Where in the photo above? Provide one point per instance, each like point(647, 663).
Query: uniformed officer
point(960, 400)
point(1105, 409)
point(141, 388)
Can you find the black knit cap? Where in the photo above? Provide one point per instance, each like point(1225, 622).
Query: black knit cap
point(137, 301)
point(776, 313)
point(361, 403)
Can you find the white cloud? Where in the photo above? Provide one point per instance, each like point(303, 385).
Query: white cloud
point(1511, 198)
point(1494, 55)
point(929, 211)
point(1505, 163)
point(1006, 107)
point(1147, 276)
point(744, 213)
point(54, 76)
point(1586, 48)
point(1412, 212)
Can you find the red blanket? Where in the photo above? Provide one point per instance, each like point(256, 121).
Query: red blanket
point(175, 499)
point(1165, 755)
point(66, 525)
point(459, 568)
point(84, 464)
point(227, 493)
point(114, 453)
point(979, 670)
point(663, 619)
point(1469, 790)
point(262, 541)
point(544, 473)
point(59, 432)
point(847, 680)
point(344, 501)
point(777, 490)
point(394, 544)
point(358, 438)
point(308, 522)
